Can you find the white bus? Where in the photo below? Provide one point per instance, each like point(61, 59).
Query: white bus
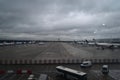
point(77, 75)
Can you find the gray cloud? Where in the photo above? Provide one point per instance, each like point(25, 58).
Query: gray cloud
point(67, 19)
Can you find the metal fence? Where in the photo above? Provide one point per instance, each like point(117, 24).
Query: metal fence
point(57, 61)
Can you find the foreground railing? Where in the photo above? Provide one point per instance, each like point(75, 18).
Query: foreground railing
point(57, 61)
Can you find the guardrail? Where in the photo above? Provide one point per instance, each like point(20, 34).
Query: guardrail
point(57, 61)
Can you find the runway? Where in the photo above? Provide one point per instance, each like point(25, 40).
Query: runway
point(56, 50)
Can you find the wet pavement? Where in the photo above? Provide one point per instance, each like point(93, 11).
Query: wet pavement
point(50, 51)
point(56, 51)
point(94, 73)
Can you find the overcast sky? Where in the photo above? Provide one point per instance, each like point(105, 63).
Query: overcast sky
point(64, 19)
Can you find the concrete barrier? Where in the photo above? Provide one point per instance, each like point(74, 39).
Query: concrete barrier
point(103, 61)
point(44, 61)
point(15, 61)
point(113, 60)
point(54, 60)
point(82, 60)
point(29, 61)
point(63, 60)
point(68, 61)
point(35, 62)
point(1, 61)
point(6, 61)
point(107, 60)
point(58, 61)
point(77, 60)
point(26, 61)
point(100, 61)
point(40, 61)
point(20, 61)
point(91, 60)
point(110, 61)
point(11, 62)
point(49, 61)
point(72, 61)
point(118, 60)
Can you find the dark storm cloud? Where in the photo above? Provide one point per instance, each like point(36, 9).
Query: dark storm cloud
point(67, 19)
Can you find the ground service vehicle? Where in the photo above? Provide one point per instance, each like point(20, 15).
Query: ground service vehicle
point(86, 64)
point(105, 69)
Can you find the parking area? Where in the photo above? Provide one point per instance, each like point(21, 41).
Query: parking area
point(14, 77)
point(17, 76)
